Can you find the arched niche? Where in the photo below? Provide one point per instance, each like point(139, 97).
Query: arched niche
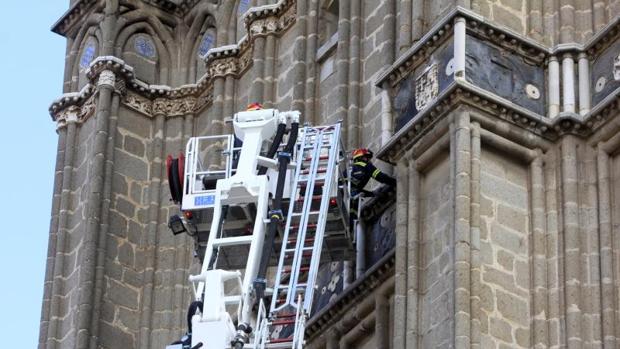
point(206, 41)
point(140, 51)
point(88, 52)
point(328, 20)
point(242, 7)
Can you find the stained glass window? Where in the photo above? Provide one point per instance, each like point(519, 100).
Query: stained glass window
point(207, 43)
point(145, 46)
point(88, 54)
point(243, 6)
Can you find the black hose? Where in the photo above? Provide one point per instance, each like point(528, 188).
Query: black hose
point(190, 313)
point(274, 146)
point(275, 215)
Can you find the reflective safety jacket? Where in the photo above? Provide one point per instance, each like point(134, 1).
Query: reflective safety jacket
point(362, 171)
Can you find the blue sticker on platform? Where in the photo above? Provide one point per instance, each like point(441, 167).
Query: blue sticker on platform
point(204, 200)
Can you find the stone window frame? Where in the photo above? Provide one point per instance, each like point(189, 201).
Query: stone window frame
point(328, 9)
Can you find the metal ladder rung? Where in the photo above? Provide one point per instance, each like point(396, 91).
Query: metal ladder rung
point(231, 241)
point(297, 214)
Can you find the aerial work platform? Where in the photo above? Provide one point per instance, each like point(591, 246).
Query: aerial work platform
point(263, 223)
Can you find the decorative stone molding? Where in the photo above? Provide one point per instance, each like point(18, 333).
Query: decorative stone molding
point(75, 14)
point(76, 113)
point(270, 19)
point(230, 60)
point(139, 103)
point(527, 115)
point(476, 25)
point(106, 78)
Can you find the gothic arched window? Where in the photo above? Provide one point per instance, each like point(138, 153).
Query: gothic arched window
point(144, 46)
point(208, 39)
point(207, 42)
point(140, 52)
point(88, 53)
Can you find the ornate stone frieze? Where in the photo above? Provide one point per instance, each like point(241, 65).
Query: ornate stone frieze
point(139, 103)
point(76, 113)
point(426, 87)
point(271, 19)
point(167, 105)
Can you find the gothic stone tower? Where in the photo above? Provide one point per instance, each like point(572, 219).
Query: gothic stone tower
point(499, 118)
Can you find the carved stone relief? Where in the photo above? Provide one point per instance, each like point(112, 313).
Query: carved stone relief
point(426, 87)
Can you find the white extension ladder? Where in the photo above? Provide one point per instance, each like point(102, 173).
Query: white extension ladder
point(313, 195)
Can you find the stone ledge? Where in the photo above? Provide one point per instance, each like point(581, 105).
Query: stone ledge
point(464, 93)
point(359, 289)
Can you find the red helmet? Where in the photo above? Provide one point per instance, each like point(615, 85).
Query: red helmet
point(362, 152)
point(254, 106)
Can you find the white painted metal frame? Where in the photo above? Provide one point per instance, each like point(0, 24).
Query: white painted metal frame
point(194, 168)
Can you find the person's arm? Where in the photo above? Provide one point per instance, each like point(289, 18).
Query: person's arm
point(380, 176)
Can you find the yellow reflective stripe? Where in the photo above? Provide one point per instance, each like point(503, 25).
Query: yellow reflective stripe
point(375, 173)
point(359, 163)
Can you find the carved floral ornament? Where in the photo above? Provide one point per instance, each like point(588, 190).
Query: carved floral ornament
point(273, 24)
point(74, 113)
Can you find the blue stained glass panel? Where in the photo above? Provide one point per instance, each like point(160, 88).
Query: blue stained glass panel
point(243, 6)
point(145, 47)
point(206, 44)
point(88, 55)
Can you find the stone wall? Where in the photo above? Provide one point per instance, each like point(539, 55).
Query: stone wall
point(436, 258)
point(504, 230)
point(504, 251)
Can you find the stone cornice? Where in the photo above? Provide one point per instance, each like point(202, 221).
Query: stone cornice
point(357, 291)
point(442, 30)
point(142, 97)
point(499, 35)
point(78, 9)
point(464, 93)
point(230, 60)
point(75, 14)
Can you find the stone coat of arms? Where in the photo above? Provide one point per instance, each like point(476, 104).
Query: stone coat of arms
point(426, 87)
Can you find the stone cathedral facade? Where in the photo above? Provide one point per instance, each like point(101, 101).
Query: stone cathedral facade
point(499, 118)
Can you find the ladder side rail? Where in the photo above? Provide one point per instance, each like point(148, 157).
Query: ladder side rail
point(217, 212)
point(298, 325)
point(303, 222)
point(230, 155)
point(289, 218)
point(320, 229)
point(256, 246)
point(188, 176)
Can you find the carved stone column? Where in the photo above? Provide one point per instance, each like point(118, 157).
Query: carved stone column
point(105, 88)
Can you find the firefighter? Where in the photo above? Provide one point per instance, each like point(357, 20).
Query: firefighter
point(361, 172)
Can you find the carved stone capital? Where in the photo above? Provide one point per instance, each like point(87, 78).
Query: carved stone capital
point(106, 78)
